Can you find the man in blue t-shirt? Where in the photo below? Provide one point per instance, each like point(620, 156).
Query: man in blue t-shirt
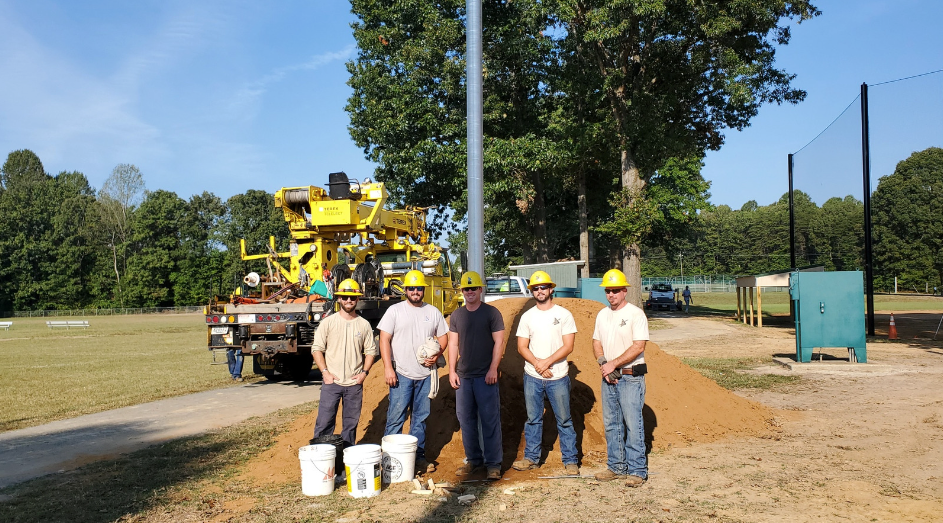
point(476, 344)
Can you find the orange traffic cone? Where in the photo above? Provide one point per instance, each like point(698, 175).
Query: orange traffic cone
point(892, 330)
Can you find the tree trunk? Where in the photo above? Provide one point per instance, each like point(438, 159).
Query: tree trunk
point(632, 261)
point(540, 218)
point(584, 222)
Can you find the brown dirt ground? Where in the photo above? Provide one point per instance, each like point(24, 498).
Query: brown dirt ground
point(681, 407)
point(856, 442)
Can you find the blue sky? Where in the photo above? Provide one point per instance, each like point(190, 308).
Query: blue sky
point(229, 96)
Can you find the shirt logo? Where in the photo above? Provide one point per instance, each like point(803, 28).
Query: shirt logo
point(624, 322)
point(556, 321)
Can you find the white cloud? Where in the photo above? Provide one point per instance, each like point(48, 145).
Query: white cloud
point(245, 100)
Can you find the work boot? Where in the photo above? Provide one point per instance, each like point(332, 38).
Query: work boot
point(467, 469)
point(494, 473)
point(524, 464)
point(572, 469)
point(634, 481)
point(608, 475)
point(423, 466)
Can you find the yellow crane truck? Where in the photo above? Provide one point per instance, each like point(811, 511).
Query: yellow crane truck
point(339, 233)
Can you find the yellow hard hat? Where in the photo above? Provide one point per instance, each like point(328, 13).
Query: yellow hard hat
point(614, 278)
point(414, 279)
point(540, 278)
point(348, 287)
point(470, 279)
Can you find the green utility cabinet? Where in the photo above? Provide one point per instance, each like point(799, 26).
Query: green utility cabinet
point(829, 309)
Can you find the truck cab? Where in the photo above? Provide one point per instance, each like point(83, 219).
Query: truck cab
point(502, 286)
point(661, 296)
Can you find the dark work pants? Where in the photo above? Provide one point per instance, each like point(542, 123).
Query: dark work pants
point(331, 396)
point(473, 399)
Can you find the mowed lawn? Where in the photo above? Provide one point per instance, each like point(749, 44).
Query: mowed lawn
point(50, 374)
point(777, 302)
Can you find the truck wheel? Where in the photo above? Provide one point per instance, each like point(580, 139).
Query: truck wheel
point(267, 366)
point(299, 366)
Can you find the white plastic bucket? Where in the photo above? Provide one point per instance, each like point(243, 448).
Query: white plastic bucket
point(399, 457)
point(317, 469)
point(362, 465)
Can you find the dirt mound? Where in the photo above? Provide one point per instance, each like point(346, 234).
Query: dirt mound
point(681, 406)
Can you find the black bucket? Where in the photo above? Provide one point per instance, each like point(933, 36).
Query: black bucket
point(339, 446)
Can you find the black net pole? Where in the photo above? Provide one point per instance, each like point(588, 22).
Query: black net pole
point(866, 168)
point(792, 221)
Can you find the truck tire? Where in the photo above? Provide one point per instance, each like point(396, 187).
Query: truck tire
point(270, 368)
point(299, 366)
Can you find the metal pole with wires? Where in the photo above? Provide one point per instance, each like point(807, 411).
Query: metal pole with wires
point(476, 225)
point(866, 174)
point(792, 222)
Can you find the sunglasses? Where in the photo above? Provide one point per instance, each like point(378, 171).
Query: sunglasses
point(472, 289)
point(614, 291)
point(413, 289)
point(347, 298)
point(541, 287)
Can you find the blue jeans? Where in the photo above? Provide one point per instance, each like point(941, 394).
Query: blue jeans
point(473, 399)
point(234, 358)
point(558, 392)
point(625, 430)
point(407, 396)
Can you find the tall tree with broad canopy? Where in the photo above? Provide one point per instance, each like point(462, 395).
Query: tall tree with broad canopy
point(408, 113)
point(907, 210)
point(676, 73)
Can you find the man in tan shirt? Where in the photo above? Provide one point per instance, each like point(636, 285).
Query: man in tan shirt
point(344, 349)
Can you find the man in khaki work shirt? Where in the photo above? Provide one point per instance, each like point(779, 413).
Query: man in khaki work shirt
point(344, 349)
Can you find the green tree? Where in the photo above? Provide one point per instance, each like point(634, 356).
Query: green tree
point(408, 113)
point(907, 210)
point(203, 262)
point(24, 229)
point(675, 75)
point(154, 249)
point(118, 197)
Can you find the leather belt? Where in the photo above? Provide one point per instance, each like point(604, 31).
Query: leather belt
point(627, 371)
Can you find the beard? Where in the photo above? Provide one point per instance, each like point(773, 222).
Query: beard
point(548, 297)
point(348, 305)
point(415, 300)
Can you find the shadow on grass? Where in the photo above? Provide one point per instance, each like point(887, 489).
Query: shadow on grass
point(140, 481)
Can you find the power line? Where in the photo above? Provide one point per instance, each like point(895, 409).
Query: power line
point(908, 77)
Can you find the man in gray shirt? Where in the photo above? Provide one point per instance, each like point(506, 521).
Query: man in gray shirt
point(404, 331)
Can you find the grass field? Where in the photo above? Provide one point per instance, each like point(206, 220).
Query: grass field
point(778, 303)
point(50, 374)
point(727, 373)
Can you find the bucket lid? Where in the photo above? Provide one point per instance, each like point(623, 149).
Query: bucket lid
point(362, 451)
point(317, 450)
point(400, 440)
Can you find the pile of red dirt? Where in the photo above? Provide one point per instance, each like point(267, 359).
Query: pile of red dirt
point(681, 406)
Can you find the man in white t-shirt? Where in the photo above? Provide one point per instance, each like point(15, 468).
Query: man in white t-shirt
point(619, 346)
point(404, 331)
point(545, 337)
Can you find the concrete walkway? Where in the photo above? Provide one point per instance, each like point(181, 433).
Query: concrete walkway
point(68, 444)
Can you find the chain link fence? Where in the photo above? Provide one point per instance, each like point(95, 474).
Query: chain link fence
point(102, 312)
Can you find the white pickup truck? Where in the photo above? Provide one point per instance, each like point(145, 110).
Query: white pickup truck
point(506, 287)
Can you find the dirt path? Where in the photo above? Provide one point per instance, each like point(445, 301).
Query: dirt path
point(67, 444)
point(855, 442)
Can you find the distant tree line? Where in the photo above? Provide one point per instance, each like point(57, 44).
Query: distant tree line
point(907, 219)
point(66, 245)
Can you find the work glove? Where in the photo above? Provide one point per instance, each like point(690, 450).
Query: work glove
point(615, 375)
